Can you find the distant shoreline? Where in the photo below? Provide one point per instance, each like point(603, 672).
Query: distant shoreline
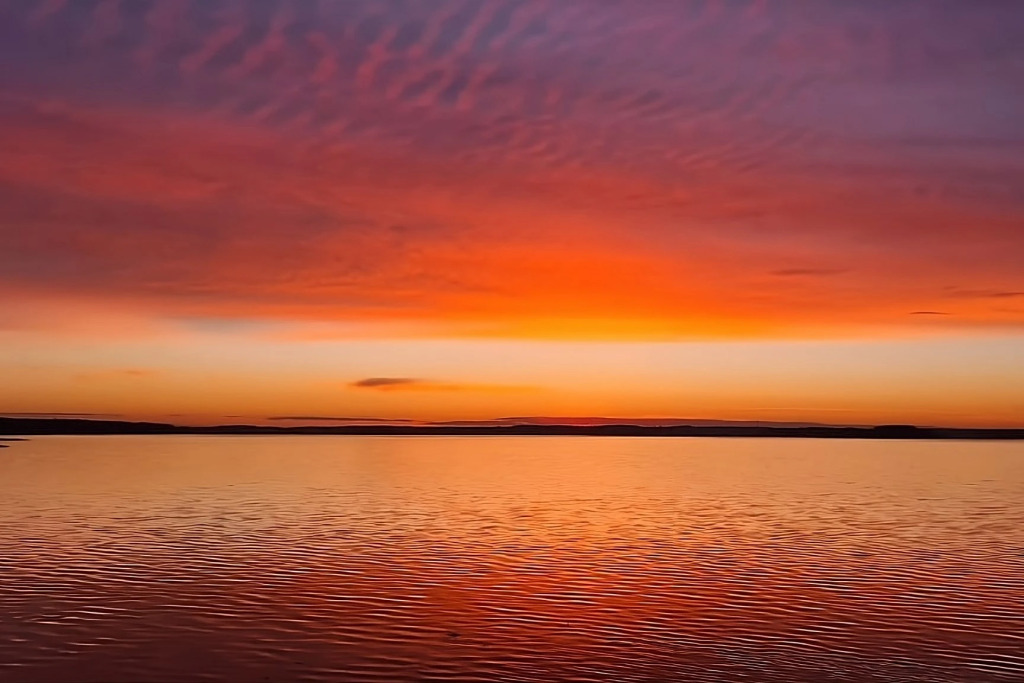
point(71, 427)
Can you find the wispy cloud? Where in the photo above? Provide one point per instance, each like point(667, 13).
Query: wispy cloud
point(114, 374)
point(388, 383)
point(511, 168)
point(808, 272)
point(412, 384)
point(361, 420)
point(985, 294)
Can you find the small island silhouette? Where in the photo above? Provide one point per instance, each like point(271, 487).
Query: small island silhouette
point(12, 426)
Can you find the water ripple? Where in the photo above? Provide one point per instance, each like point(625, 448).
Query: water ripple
point(373, 559)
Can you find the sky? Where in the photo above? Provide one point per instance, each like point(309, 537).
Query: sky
point(235, 210)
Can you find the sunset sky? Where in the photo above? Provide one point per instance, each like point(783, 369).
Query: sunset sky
point(236, 210)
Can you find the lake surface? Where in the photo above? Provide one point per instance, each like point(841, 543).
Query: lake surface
point(193, 558)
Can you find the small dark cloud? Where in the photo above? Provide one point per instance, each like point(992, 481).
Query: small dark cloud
point(984, 294)
point(412, 384)
point(323, 418)
point(386, 382)
point(929, 313)
point(808, 272)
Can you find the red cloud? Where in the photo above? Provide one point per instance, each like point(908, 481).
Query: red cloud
point(512, 168)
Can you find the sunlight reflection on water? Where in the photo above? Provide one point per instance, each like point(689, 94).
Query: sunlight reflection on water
point(510, 559)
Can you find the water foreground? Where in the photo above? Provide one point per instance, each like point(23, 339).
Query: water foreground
point(305, 558)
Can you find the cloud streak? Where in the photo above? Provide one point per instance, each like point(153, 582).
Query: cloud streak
point(353, 420)
point(388, 383)
point(409, 384)
point(117, 375)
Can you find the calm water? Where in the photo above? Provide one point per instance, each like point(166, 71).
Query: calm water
point(510, 559)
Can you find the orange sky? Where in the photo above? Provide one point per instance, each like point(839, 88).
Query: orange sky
point(731, 210)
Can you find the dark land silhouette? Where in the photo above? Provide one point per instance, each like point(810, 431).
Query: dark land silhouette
point(44, 426)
